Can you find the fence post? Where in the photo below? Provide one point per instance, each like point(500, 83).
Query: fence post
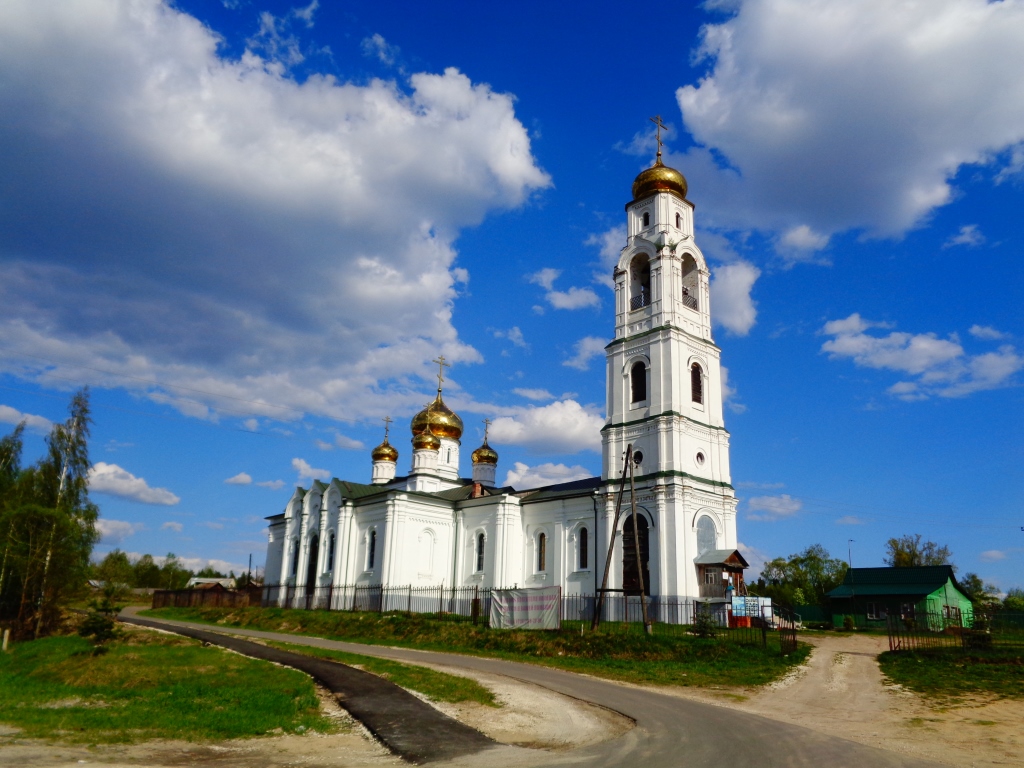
point(475, 610)
point(408, 611)
point(440, 603)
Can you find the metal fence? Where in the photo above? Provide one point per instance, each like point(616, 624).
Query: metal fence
point(987, 629)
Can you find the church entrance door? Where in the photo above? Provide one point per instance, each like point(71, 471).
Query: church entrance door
point(630, 578)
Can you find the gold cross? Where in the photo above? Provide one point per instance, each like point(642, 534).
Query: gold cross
point(487, 425)
point(387, 426)
point(441, 365)
point(661, 127)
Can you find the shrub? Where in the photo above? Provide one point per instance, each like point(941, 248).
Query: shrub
point(849, 623)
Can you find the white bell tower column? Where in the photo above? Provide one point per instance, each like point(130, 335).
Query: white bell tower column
point(664, 384)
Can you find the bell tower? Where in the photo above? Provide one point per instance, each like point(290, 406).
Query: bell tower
point(664, 382)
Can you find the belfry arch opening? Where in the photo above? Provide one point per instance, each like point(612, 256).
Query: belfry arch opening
point(630, 575)
point(638, 382)
point(691, 282)
point(639, 282)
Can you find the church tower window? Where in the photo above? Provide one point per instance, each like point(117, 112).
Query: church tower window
point(640, 282)
point(584, 546)
point(371, 550)
point(480, 541)
point(679, 221)
point(647, 219)
point(696, 383)
point(638, 382)
point(542, 552)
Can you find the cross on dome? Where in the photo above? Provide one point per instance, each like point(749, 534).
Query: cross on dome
point(661, 127)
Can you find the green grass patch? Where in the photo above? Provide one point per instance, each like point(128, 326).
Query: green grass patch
point(950, 674)
point(150, 686)
point(439, 686)
point(667, 658)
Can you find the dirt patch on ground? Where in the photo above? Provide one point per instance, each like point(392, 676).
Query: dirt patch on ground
point(530, 716)
point(840, 691)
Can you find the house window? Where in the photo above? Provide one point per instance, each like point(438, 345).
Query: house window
point(696, 384)
point(330, 553)
point(907, 611)
point(371, 550)
point(480, 540)
point(638, 382)
point(876, 612)
point(542, 552)
point(647, 219)
point(584, 546)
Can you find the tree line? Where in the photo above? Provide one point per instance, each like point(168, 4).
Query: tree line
point(807, 577)
point(47, 522)
point(119, 570)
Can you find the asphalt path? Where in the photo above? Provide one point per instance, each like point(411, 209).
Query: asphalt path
point(671, 732)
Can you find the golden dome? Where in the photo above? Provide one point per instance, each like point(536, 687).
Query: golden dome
point(485, 454)
point(426, 441)
point(659, 178)
point(385, 452)
point(439, 418)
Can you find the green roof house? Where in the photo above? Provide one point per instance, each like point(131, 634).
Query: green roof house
point(927, 593)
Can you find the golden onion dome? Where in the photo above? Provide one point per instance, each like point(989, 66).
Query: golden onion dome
point(426, 441)
point(659, 178)
point(385, 452)
point(485, 454)
point(441, 420)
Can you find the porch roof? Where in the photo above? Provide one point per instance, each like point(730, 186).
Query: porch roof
point(728, 557)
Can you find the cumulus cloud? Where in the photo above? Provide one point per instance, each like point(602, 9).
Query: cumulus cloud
point(348, 443)
point(166, 212)
point(992, 555)
point(307, 472)
point(609, 245)
point(524, 477)
point(731, 304)
point(564, 426)
point(242, 478)
point(116, 481)
point(533, 394)
point(586, 349)
point(754, 556)
point(375, 46)
point(940, 366)
point(116, 531)
point(574, 298)
point(772, 508)
point(171, 525)
point(513, 334)
point(729, 396)
point(35, 423)
point(910, 91)
point(968, 235)
point(271, 484)
point(987, 332)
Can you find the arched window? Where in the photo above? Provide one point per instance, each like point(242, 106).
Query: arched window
point(371, 550)
point(707, 536)
point(449, 459)
point(696, 383)
point(584, 546)
point(330, 553)
point(647, 219)
point(638, 382)
point(295, 557)
point(679, 221)
point(480, 540)
point(542, 552)
point(639, 282)
point(630, 569)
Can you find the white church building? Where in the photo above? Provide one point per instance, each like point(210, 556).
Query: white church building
point(434, 527)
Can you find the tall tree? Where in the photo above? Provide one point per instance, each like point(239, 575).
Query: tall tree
point(981, 594)
point(909, 552)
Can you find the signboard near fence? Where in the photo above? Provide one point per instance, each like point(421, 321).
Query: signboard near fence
point(526, 608)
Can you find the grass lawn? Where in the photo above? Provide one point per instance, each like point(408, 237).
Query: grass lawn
point(149, 686)
point(664, 659)
point(438, 686)
point(949, 674)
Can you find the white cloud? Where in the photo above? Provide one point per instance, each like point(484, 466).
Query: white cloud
point(533, 394)
point(574, 298)
point(760, 486)
point(910, 91)
point(771, 508)
point(987, 332)
point(306, 472)
point(609, 244)
point(545, 278)
point(586, 349)
point(564, 426)
point(227, 169)
point(992, 555)
point(348, 443)
point(849, 520)
point(116, 481)
point(801, 243)
point(731, 304)
point(729, 393)
point(754, 556)
point(38, 424)
point(323, 445)
point(171, 525)
point(968, 235)
point(513, 334)
point(271, 484)
point(375, 46)
point(242, 478)
point(524, 477)
point(116, 531)
point(942, 366)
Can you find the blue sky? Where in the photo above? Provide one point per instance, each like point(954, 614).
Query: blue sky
point(249, 226)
